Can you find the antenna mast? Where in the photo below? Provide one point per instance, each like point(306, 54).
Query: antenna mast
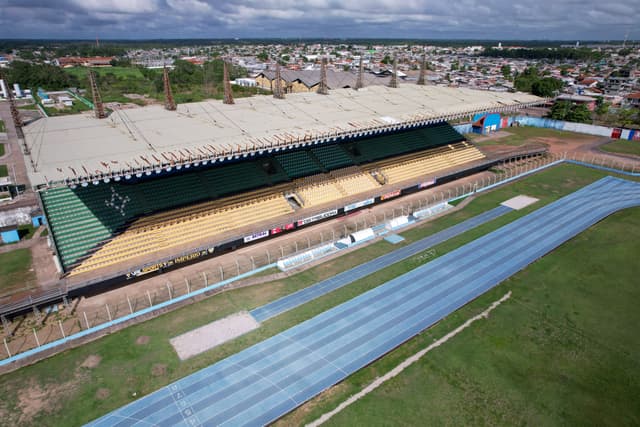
point(97, 100)
point(323, 89)
point(169, 102)
point(228, 95)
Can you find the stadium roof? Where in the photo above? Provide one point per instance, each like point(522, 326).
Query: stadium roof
point(76, 148)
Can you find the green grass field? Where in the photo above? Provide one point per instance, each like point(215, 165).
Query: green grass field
point(2, 128)
point(1, 149)
point(4, 171)
point(15, 271)
point(81, 72)
point(70, 394)
point(622, 147)
point(521, 135)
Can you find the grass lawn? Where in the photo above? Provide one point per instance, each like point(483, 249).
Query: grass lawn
point(1, 149)
point(3, 170)
point(622, 147)
point(521, 135)
point(2, 127)
point(71, 394)
point(14, 271)
point(562, 351)
point(81, 72)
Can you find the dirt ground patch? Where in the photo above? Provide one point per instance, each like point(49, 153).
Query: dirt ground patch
point(143, 340)
point(159, 370)
point(103, 393)
point(33, 399)
point(91, 362)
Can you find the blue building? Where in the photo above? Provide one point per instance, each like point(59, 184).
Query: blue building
point(9, 234)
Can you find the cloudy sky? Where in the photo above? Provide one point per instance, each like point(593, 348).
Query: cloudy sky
point(486, 19)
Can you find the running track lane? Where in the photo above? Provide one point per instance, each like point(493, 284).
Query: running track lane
point(260, 384)
point(310, 293)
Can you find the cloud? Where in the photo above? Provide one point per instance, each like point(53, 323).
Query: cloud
point(487, 19)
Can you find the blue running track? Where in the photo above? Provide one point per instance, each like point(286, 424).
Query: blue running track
point(264, 382)
point(305, 295)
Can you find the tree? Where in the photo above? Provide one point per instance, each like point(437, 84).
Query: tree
point(560, 110)
point(506, 71)
point(602, 107)
point(546, 87)
point(580, 114)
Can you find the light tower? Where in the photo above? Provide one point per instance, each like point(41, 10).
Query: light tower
point(228, 95)
point(359, 81)
point(15, 114)
point(97, 100)
point(394, 77)
point(323, 88)
point(423, 70)
point(278, 93)
point(169, 102)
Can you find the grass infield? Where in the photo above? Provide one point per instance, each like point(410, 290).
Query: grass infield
point(622, 147)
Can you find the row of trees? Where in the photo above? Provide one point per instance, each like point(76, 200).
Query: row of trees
point(553, 54)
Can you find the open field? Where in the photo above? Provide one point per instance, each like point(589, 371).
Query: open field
point(4, 171)
point(520, 136)
point(562, 350)
point(1, 150)
point(140, 359)
point(81, 72)
point(622, 147)
point(15, 271)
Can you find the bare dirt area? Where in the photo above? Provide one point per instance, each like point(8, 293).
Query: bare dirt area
point(33, 399)
point(159, 370)
point(143, 340)
point(91, 362)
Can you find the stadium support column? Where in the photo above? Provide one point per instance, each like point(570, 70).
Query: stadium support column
point(323, 89)
point(97, 100)
point(169, 102)
point(228, 95)
point(278, 92)
point(394, 75)
point(423, 70)
point(360, 82)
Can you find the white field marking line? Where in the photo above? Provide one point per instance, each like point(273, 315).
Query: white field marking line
point(405, 364)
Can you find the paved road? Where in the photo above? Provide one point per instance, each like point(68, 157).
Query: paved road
point(269, 379)
point(321, 288)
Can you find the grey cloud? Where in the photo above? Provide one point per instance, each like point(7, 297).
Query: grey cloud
point(542, 19)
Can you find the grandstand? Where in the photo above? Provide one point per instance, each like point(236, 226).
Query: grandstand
point(149, 182)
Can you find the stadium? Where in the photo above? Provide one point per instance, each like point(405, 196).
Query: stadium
point(148, 189)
